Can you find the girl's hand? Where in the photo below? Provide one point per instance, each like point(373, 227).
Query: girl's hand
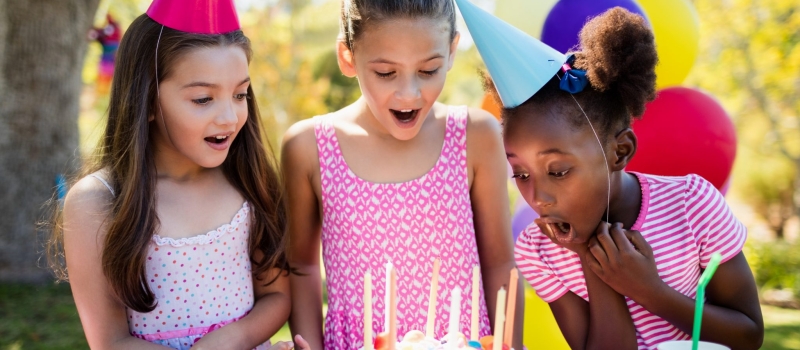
point(624, 261)
point(301, 344)
point(282, 345)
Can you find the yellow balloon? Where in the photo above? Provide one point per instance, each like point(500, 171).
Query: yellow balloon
point(527, 15)
point(675, 25)
point(541, 330)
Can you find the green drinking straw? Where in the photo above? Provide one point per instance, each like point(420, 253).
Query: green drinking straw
point(701, 295)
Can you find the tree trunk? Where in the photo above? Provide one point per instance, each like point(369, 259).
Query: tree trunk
point(779, 235)
point(42, 47)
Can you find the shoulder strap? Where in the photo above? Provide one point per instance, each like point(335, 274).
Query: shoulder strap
point(110, 189)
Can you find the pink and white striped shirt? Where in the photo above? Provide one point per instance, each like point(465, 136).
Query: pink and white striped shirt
point(684, 219)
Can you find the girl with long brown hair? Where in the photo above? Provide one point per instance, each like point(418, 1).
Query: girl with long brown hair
point(175, 235)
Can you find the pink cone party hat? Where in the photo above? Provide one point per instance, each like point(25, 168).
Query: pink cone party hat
point(195, 16)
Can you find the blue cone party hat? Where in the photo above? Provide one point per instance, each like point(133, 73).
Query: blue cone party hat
point(518, 63)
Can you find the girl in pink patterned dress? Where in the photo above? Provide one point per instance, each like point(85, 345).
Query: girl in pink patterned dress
point(395, 177)
point(174, 239)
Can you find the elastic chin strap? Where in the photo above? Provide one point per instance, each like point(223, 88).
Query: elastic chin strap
point(158, 90)
point(605, 159)
point(574, 81)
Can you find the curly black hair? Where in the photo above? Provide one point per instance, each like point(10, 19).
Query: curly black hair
point(618, 52)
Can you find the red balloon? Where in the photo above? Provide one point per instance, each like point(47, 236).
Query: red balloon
point(685, 131)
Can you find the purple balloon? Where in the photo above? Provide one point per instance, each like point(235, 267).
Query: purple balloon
point(566, 19)
point(523, 216)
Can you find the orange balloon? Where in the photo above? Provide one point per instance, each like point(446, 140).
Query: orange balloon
point(490, 105)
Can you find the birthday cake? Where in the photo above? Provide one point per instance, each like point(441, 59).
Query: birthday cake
point(417, 340)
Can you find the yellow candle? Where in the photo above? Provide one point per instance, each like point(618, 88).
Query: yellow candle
point(499, 319)
point(476, 294)
point(392, 310)
point(431, 325)
point(511, 308)
point(368, 311)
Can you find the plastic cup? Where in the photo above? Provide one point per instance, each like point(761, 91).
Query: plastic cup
point(687, 345)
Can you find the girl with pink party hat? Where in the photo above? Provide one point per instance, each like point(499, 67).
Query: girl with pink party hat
point(174, 236)
point(396, 177)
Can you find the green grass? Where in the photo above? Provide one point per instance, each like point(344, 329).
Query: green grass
point(39, 317)
point(44, 317)
point(782, 328)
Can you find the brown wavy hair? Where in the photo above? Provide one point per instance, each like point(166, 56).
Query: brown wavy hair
point(126, 155)
point(618, 52)
point(357, 15)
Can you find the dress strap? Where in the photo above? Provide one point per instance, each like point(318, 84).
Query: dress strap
point(110, 189)
point(327, 144)
point(458, 117)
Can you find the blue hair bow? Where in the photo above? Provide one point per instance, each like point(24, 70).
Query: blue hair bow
point(573, 80)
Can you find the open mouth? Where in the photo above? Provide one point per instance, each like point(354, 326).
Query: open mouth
point(561, 231)
point(405, 115)
point(217, 139)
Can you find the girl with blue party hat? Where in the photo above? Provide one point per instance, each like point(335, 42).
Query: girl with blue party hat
point(175, 236)
point(396, 177)
point(616, 254)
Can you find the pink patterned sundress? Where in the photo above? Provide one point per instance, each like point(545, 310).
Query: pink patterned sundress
point(366, 224)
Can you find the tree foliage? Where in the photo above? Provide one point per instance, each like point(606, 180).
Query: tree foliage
point(750, 60)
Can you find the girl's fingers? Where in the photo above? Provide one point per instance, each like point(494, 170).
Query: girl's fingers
point(639, 243)
point(302, 344)
point(621, 239)
point(593, 264)
point(597, 252)
point(282, 345)
point(605, 240)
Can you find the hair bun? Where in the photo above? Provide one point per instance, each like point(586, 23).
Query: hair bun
point(618, 52)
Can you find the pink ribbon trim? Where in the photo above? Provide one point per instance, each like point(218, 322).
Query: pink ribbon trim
point(186, 332)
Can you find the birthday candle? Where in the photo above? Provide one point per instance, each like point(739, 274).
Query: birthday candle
point(474, 325)
point(430, 325)
point(368, 311)
point(392, 310)
point(455, 311)
point(386, 300)
point(499, 318)
point(511, 308)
